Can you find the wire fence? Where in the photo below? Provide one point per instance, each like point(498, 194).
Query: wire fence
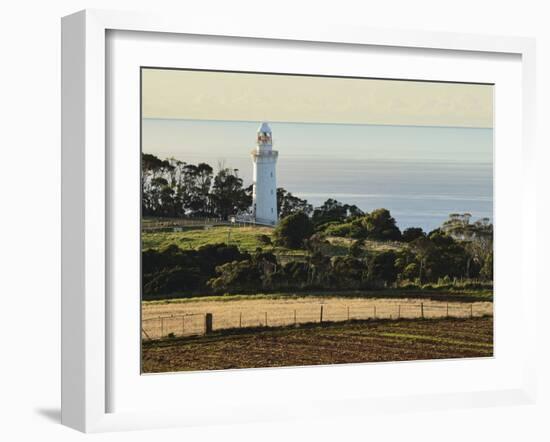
point(194, 324)
point(179, 224)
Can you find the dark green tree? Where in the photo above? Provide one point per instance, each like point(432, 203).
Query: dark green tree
point(412, 233)
point(382, 267)
point(356, 248)
point(381, 226)
point(330, 211)
point(293, 230)
point(228, 195)
point(288, 204)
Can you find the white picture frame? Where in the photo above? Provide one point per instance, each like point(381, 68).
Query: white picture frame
point(85, 216)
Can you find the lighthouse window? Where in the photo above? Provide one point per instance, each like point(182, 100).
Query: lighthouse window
point(271, 173)
point(272, 210)
point(271, 191)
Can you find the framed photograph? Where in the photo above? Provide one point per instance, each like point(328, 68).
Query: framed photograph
point(258, 217)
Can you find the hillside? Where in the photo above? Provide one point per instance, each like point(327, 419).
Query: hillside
point(247, 239)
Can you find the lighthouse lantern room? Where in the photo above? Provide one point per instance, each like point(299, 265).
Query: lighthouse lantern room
point(264, 193)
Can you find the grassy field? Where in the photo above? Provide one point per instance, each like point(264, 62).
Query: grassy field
point(246, 238)
point(337, 343)
point(284, 310)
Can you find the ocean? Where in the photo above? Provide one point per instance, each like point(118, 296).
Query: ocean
point(420, 174)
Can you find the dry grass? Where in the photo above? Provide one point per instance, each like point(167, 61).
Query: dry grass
point(252, 312)
point(369, 245)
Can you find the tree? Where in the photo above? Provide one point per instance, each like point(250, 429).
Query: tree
point(382, 267)
point(423, 247)
point(288, 204)
point(196, 184)
point(487, 269)
point(228, 195)
point(348, 272)
point(331, 210)
point(237, 275)
point(293, 230)
point(412, 233)
point(410, 271)
point(150, 163)
point(477, 238)
point(356, 248)
point(153, 179)
point(173, 270)
point(381, 225)
point(457, 225)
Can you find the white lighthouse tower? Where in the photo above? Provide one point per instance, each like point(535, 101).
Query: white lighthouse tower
point(264, 195)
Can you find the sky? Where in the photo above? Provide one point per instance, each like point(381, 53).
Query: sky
point(183, 94)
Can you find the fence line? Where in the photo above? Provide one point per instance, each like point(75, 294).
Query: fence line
point(177, 224)
point(192, 324)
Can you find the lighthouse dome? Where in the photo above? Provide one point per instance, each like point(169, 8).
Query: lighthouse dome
point(264, 127)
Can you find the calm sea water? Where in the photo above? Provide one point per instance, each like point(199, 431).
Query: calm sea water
point(421, 174)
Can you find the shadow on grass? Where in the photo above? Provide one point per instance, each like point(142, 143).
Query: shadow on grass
point(433, 295)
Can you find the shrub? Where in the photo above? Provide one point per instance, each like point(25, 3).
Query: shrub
point(381, 226)
point(336, 229)
point(412, 233)
point(293, 230)
point(264, 239)
point(237, 275)
point(356, 248)
point(173, 270)
point(173, 280)
point(410, 271)
point(382, 267)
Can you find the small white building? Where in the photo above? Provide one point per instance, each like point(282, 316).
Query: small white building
point(264, 195)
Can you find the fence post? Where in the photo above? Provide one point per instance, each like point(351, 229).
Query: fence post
point(295, 317)
point(399, 311)
point(422, 310)
point(266, 319)
point(240, 319)
point(348, 312)
point(182, 325)
point(161, 327)
point(471, 311)
point(447, 310)
point(208, 323)
point(374, 312)
point(145, 333)
point(321, 317)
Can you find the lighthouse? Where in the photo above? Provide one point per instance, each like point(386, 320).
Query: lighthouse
point(264, 194)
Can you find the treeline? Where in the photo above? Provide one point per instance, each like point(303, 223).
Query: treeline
point(174, 270)
point(435, 258)
point(174, 188)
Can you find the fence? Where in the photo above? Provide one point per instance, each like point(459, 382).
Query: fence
point(194, 324)
point(178, 224)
